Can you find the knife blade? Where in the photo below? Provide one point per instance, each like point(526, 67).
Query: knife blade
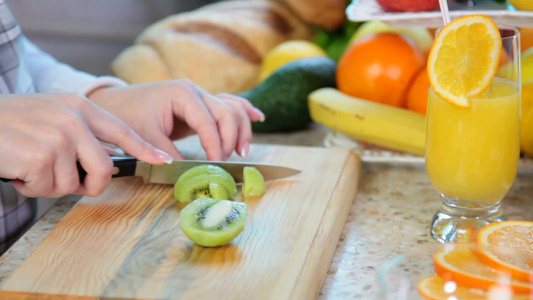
point(169, 173)
point(124, 166)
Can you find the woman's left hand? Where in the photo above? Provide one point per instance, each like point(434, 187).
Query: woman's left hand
point(165, 111)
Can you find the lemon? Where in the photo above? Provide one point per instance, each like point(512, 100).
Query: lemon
point(460, 66)
point(527, 65)
point(286, 52)
point(507, 70)
point(522, 4)
point(420, 35)
point(526, 119)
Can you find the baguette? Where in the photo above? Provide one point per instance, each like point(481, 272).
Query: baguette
point(219, 46)
point(329, 14)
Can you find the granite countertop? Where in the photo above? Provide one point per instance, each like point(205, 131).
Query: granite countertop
point(391, 215)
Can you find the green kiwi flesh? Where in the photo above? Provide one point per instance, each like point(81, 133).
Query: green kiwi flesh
point(253, 182)
point(212, 222)
point(205, 181)
point(217, 191)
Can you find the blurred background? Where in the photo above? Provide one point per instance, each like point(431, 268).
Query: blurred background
point(89, 34)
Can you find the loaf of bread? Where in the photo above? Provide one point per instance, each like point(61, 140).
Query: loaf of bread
point(329, 14)
point(219, 46)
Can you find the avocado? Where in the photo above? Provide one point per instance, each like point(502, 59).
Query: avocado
point(282, 97)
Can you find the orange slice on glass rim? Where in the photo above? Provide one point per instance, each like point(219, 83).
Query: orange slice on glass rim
point(462, 266)
point(464, 58)
point(515, 235)
point(437, 288)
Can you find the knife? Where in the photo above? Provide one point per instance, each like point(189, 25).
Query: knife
point(168, 173)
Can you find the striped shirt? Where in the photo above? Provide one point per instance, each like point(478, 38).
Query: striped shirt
point(24, 68)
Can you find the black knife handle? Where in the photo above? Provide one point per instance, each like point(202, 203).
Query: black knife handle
point(122, 166)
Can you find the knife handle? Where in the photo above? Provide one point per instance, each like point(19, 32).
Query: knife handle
point(122, 166)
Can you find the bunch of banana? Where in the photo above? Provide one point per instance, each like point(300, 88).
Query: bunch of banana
point(379, 124)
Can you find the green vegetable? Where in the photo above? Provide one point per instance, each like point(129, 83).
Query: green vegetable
point(335, 42)
point(282, 97)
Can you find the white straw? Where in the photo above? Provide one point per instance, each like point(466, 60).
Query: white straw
point(445, 11)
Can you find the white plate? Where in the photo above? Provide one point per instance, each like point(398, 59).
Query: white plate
point(501, 13)
point(374, 154)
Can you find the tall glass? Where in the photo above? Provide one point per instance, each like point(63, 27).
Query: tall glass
point(472, 153)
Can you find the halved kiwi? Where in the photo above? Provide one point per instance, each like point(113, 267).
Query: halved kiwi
point(211, 222)
point(205, 181)
point(253, 182)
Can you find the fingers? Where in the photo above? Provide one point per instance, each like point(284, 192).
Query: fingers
point(111, 151)
point(48, 167)
point(198, 117)
point(38, 178)
point(54, 172)
point(112, 130)
point(254, 113)
point(44, 134)
point(178, 108)
point(165, 144)
point(94, 159)
point(227, 114)
point(244, 136)
point(228, 120)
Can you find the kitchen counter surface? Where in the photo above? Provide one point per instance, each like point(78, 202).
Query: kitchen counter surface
point(390, 216)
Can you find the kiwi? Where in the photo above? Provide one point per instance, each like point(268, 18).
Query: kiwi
point(211, 222)
point(205, 181)
point(253, 182)
point(217, 191)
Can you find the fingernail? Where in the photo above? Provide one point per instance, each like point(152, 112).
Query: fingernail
point(164, 156)
point(244, 150)
point(262, 119)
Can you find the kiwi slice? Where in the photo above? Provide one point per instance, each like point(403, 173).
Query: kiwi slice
point(205, 181)
point(253, 182)
point(211, 222)
point(217, 191)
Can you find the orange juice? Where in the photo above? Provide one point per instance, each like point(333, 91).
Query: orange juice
point(472, 153)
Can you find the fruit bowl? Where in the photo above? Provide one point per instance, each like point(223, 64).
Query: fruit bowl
point(451, 271)
point(369, 152)
point(364, 10)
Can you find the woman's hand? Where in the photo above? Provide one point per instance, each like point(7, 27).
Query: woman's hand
point(42, 135)
point(165, 111)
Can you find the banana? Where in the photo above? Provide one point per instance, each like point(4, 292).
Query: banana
point(376, 123)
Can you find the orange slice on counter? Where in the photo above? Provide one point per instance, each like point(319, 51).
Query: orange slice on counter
point(437, 288)
point(516, 235)
point(464, 58)
point(462, 266)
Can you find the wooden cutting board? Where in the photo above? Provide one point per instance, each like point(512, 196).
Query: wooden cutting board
point(127, 242)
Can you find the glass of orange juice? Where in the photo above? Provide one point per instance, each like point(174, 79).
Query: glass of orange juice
point(472, 152)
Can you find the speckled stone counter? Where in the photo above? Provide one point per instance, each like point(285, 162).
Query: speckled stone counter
point(390, 216)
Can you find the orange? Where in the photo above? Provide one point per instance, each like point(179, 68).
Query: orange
point(436, 288)
point(518, 236)
point(417, 97)
point(380, 67)
point(464, 58)
point(526, 38)
point(522, 4)
point(464, 267)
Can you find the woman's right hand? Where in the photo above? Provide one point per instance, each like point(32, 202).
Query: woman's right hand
point(42, 135)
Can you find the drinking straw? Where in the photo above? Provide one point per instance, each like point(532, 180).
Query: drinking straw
point(445, 11)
